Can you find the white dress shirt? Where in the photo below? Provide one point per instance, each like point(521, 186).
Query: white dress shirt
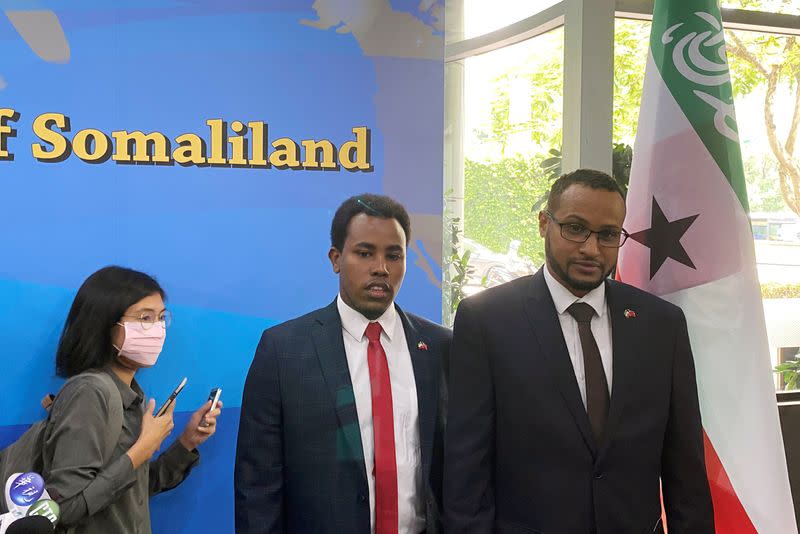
point(410, 488)
point(600, 325)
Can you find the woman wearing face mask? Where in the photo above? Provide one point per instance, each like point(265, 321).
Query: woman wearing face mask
point(102, 435)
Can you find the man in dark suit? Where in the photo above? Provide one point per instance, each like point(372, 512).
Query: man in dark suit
point(342, 418)
point(571, 395)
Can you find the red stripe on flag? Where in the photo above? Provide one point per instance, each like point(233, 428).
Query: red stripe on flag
point(729, 514)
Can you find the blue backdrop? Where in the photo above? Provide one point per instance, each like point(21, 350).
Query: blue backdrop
point(237, 249)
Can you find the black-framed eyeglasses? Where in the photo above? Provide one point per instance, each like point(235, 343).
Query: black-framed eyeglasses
point(148, 319)
point(578, 233)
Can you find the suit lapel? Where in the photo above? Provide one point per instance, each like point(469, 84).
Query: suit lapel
point(541, 313)
point(624, 363)
point(425, 376)
point(327, 337)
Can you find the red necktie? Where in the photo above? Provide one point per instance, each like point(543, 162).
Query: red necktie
point(386, 521)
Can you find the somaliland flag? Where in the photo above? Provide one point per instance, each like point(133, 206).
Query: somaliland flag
point(692, 245)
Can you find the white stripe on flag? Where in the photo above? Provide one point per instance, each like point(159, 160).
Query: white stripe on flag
point(721, 300)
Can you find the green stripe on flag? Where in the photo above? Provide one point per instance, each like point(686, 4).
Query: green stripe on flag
point(688, 47)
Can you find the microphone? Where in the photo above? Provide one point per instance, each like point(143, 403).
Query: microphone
point(25, 495)
point(43, 513)
point(22, 490)
point(47, 509)
point(36, 524)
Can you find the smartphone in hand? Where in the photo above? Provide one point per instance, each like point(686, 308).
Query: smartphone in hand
point(213, 396)
point(171, 398)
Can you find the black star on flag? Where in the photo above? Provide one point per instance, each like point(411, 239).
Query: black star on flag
point(663, 238)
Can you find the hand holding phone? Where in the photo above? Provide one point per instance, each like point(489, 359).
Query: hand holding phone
point(213, 396)
point(155, 429)
point(202, 423)
point(171, 398)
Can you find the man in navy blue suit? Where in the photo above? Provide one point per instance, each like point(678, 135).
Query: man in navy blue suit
point(572, 397)
point(342, 413)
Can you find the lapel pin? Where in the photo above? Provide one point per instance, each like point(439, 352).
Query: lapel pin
point(422, 346)
point(630, 314)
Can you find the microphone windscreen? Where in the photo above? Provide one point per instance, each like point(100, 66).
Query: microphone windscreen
point(46, 508)
point(22, 490)
point(31, 525)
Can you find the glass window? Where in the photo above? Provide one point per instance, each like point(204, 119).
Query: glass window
point(482, 16)
point(789, 7)
point(753, 56)
point(511, 119)
point(789, 367)
point(631, 39)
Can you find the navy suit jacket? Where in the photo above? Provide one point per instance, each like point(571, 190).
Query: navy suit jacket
point(299, 460)
point(520, 456)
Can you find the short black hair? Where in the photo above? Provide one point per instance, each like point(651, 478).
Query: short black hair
point(586, 177)
point(99, 304)
point(374, 205)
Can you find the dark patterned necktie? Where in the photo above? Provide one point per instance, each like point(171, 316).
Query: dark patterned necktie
point(597, 397)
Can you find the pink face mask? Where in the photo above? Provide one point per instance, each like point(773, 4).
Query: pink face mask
point(143, 345)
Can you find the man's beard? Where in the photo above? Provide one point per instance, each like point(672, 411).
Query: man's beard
point(578, 285)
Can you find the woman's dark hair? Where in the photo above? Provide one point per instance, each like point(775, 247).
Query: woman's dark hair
point(102, 299)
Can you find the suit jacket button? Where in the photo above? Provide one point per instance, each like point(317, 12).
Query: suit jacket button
point(598, 476)
point(362, 497)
